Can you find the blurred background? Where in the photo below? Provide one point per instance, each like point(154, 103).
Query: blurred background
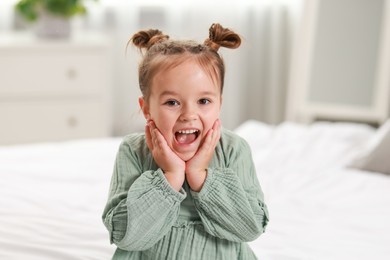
point(85, 84)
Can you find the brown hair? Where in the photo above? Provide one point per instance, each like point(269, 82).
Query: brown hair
point(162, 53)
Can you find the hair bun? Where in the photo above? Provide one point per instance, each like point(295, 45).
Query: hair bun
point(146, 39)
point(219, 36)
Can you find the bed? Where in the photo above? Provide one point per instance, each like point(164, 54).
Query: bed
point(323, 202)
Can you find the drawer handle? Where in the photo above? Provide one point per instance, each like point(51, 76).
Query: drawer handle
point(72, 121)
point(71, 73)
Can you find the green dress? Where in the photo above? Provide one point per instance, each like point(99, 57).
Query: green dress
point(147, 219)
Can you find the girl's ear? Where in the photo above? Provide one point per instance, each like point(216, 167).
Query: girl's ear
point(144, 107)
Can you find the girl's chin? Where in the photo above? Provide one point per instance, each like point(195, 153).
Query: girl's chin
point(185, 152)
point(186, 156)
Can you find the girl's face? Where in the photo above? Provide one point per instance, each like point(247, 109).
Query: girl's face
point(184, 103)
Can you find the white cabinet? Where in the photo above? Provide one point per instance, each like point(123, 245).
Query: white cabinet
point(54, 89)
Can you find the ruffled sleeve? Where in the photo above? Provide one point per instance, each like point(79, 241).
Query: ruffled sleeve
point(231, 202)
point(142, 206)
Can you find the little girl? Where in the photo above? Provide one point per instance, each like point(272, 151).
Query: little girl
point(186, 188)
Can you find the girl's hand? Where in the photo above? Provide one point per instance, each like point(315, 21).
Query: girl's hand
point(172, 165)
point(197, 165)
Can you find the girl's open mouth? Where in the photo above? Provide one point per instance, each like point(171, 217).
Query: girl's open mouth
point(186, 136)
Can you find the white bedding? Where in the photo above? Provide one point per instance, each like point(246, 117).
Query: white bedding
point(319, 208)
point(51, 200)
point(52, 196)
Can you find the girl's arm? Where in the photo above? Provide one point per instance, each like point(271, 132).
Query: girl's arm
point(142, 206)
point(231, 202)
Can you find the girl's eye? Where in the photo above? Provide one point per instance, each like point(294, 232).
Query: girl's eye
point(171, 103)
point(204, 101)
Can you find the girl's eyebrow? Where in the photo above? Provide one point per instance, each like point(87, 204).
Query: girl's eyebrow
point(168, 93)
point(208, 93)
point(173, 93)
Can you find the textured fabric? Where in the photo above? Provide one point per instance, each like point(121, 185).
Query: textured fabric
point(375, 156)
point(147, 219)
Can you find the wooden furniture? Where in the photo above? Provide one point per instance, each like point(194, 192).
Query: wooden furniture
point(53, 89)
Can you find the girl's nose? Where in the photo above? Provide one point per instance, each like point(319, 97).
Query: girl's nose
point(188, 115)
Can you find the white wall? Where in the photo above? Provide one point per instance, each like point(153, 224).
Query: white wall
point(257, 72)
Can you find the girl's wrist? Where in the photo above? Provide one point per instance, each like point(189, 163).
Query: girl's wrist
point(175, 179)
point(196, 179)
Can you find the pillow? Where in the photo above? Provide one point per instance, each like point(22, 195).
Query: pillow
point(376, 157)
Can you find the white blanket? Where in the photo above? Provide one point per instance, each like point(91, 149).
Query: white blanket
point(319, 208)
point(52, 196)
point(51, 200)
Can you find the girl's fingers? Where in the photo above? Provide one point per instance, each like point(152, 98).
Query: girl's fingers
point(165, 158)
point(153, 130)
point(157, 138)
point(148, 137)
point(217, 125)
point(209, 142)
point(160, 140)
point(216, 133)
point(217, 130)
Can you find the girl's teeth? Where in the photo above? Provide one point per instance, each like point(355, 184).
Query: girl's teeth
point(187, 131)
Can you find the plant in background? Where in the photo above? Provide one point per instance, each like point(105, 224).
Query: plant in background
point(31, 9)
